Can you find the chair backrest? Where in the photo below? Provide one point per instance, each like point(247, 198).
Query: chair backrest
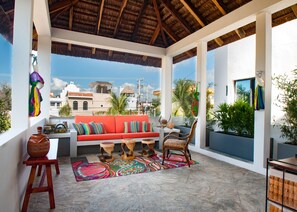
point(192, 131)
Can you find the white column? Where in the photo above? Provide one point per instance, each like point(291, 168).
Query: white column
point(166, 87)
point(263, 64)
point(21, 50)
point(201, 79)
point(44, 66)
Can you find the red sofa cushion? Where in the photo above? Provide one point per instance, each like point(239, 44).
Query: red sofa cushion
point(108, 121)
point(109, 136)
point(119, 121)
point(140, 135)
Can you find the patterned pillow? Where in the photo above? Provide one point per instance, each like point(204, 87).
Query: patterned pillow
point(87, 128)
point(79, 128)
point(146, 127)
point(131, 127)
point(98, 128)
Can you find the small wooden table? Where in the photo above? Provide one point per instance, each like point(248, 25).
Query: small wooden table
point(48, 160)
point(129, 144)
point(107, 147)
point(150, 143)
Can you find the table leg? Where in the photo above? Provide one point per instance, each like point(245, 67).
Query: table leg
point(57, 168)
point(29, 188)
point(39, 170)
point(50, 186)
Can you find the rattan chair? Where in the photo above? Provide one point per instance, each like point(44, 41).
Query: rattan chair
point(179, 142)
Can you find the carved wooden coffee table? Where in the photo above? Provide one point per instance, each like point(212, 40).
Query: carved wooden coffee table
point(127, 146)
point(150, 144)
point(106, 147)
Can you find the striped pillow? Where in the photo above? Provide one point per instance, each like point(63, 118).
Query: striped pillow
point(98, 128)
point(79, 128)
point(146, 127)
point(87, 128)
point(131, 127)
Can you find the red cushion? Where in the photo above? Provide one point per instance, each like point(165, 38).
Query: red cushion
point(108, 121)
point(119, 120)
point(140, 135)
point(109, 136)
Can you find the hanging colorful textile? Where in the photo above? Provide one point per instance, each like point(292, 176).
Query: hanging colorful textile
point(36, 82)
point(259, 95)
point(195, 103)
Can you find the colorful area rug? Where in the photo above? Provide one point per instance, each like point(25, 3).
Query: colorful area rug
point(85, 170)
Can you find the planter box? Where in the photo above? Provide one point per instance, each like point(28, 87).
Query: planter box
point(186, 130)
point(286, 150)
point(241, 147)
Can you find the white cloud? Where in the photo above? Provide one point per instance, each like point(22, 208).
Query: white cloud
point(58, 84)
point(115, 90)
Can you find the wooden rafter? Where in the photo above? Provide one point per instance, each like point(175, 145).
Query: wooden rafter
point(191, 8)
point(294, 9)
point(61, 5)
point(160, 22)
point(176, 15)
point(99, 18)
point(70, 24)
point(143, 7)
point(153, 39)
point(119, 18)
point(222, 8)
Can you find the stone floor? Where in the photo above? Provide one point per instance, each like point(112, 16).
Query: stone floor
point(210, 186)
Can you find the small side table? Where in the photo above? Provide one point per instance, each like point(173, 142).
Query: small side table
point(163, 132)
point(129, 144)
point(108, 148)
point(150, 143)
point(48, 160)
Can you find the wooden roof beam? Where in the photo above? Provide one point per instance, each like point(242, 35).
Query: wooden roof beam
point(294, 9)
point(70, 24)
point(119, 18)
point(99, 18)
point(191, 8)
point(143, 7)
point(175, 14)
point(153, 39)
point(62, 5)
point(159, 21)
point(223, 9)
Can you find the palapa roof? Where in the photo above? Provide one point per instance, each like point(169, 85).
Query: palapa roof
point(127, 90)
point(154, 22)
point(101, 83)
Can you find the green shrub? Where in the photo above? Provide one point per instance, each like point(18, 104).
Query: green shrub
point(65, 111)
point(237, 118)
point(288, 99)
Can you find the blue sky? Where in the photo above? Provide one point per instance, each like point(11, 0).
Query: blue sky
point(83, 71)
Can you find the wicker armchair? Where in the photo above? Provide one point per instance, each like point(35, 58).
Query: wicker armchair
point(179, 142)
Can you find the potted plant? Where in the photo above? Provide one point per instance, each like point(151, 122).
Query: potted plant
point(288, 102)
point(237, 124)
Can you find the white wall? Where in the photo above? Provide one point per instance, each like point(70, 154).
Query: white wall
point(14, 174)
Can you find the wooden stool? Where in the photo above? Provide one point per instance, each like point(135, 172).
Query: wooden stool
point(129, 144)
point(150, 143)
point(108, 148)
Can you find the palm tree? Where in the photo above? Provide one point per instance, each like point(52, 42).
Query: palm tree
point(118, 104)
point(182, 95)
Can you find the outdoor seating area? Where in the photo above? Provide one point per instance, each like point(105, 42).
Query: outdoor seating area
point(235, 114)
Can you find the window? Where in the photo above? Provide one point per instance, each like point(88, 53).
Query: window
point(75, 105)
point(101, 105)
point(85, 105)
point(245, 89)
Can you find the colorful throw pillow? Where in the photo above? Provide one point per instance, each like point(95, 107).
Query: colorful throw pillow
point(146, 127)
point(131, 127)
point(87, 128)
point(79, 128)
point(98, 128)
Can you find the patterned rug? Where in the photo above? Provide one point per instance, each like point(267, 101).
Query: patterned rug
point(84, 170)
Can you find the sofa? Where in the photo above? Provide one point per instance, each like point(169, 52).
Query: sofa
point(114, 130)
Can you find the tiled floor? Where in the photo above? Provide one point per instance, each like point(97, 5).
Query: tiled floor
point(209, 186)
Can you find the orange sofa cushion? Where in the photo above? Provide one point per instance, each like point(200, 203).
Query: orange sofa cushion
point(93, 137)
point(140, 135)
point(119, 120)
point(108, 121)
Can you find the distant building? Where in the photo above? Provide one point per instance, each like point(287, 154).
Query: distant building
point(131, 97)
point(55, 104)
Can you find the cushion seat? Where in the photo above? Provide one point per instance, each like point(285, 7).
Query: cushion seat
point(92, 137)
point(175, 143)
point(140, 135)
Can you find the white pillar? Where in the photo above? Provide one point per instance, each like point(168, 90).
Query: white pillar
point(263, 64)
point(201, 79)
point(44, 66)
point(21, 50)
point(166, 87)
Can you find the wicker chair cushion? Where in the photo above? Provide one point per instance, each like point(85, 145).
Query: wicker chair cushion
point(175, 143)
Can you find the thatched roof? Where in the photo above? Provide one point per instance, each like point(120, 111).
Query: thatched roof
point(153, 22)
point(101, 83)
point(127, 90)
